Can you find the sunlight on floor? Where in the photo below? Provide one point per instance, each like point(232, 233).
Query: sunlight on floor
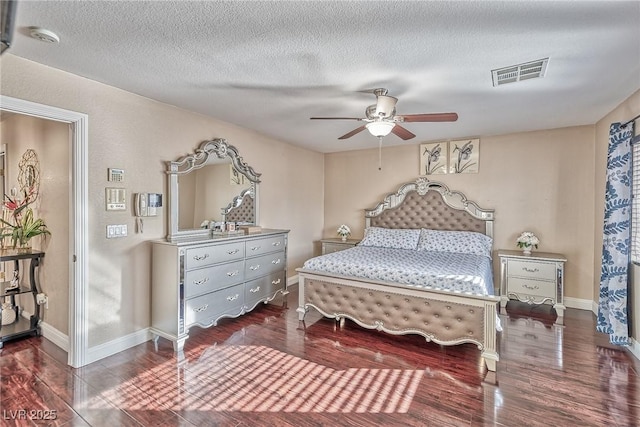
point(261, 379)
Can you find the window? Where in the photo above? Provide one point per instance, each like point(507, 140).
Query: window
point(635, 200)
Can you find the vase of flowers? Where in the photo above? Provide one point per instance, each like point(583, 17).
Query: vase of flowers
point(344, 231)
point(22, 225)
point(527, 241)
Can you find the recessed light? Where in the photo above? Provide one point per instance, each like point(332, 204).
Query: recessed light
point(44, 35)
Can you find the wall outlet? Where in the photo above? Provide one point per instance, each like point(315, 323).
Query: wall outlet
point(42, 299)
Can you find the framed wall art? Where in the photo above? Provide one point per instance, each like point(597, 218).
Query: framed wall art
point(433, 158)
point(236, 177)
point(464, 156)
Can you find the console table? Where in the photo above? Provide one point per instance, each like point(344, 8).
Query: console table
point(20, 327)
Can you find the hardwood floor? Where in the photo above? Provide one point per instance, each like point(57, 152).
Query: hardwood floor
point(266, 369)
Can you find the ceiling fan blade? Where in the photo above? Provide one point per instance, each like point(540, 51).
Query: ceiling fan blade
point(435, 117)
point(335, 118)
point(353, 132)
point(402, 132)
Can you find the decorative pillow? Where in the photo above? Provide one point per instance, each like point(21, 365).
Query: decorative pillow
point(391, 238)
point(464, 242)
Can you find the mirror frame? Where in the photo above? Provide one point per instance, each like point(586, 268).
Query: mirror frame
point(206, 153)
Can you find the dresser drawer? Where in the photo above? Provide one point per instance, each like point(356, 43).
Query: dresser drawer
point(204, 280)
point(208, 255)
point(266, 245)
point(262, 288)
point(536, 288)
point(265, 264)
point(532, 269)
point(210, 306)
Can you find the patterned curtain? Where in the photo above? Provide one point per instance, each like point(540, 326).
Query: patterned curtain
point(616, 245)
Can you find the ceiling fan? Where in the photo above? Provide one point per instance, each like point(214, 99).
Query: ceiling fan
point(382, 119)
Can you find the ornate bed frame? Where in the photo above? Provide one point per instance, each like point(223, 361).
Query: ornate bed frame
point(446, 318)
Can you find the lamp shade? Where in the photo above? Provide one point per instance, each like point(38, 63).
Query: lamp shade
point(380, 128)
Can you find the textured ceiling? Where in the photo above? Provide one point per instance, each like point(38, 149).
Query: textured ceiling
point(269, 66)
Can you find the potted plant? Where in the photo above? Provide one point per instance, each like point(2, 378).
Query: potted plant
point(526, 241)
point(23, 225)
point(344, 231)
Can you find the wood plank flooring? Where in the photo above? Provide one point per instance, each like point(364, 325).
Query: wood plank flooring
point(268, 369)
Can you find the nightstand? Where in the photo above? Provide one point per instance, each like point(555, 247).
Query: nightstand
point(336, 244)
point(535, 279)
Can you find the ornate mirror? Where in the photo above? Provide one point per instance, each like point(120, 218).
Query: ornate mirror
point(211, 185)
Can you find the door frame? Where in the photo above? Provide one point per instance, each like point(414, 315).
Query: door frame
point(78, 249)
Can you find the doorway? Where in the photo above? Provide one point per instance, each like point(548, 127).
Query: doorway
point(78, 229)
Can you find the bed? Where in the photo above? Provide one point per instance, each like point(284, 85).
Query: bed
point(447, 307)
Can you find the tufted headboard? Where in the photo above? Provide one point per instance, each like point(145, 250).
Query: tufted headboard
point(243, 212)
point(429, 204)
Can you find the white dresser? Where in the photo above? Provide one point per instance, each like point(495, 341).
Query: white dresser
point(200, 282)
point(535, 279)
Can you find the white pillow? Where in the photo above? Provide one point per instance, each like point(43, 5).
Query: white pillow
point(464, 242)
point(391, 238)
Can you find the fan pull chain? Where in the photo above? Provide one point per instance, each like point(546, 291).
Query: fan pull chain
point(379, 153)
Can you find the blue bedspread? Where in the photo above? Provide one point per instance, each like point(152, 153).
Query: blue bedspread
point(456, 272)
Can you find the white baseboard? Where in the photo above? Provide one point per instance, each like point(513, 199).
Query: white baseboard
point(292, 281)
point(55, 336)
point(634, 348)
point(51, 333)
point(119, 344)
point(579, 303)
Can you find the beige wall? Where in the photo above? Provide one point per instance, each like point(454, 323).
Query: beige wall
point(624, 112)
point(50, 140)
point(537, 181)
point(138, 134)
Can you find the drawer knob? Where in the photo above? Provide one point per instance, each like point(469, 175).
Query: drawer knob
point(235, 251)
point(201, 281)
point(233, 273)
point(276, 261)
point(255, 248)
point(203, 308)
point(530, 270)
point(276, 243)
point(233, 297)
point(275, 282)
point(254, 267)
point(254, 290)
point(200, 257)
point(533, 288)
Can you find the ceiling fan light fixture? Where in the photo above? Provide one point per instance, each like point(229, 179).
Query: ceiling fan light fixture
point(380, 128)
point(386, 105)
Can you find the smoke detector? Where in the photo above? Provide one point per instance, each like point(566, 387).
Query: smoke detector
point(44, 35)
point(520, 72)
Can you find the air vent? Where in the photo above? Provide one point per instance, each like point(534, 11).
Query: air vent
point(516, 73)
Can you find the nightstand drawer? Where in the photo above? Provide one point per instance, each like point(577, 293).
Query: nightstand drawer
point(531, 269)
point(532, 287)
point(335, 247)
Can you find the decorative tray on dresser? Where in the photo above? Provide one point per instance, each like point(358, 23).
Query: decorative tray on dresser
point(537, 278)
point(201, 281)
